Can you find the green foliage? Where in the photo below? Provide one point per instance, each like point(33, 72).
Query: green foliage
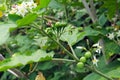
point(29, 18)
point(102, 19)
point(108, 70)
point(58, 40)
point(111, 48)
point(72, 36)
point(4, 32)
point(42, 4)
point(19, 59)
point(111, 9)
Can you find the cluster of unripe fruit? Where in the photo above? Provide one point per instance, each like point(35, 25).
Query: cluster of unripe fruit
point(83, 59)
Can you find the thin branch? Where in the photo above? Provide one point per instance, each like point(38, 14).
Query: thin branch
point(93, 10)
point(51, 18)
point(89, 11)
point(72, 51)
point(33, 69)
point(65, 60)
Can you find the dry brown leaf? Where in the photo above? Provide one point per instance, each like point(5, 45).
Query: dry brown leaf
point(1, 14)
point(40, 76)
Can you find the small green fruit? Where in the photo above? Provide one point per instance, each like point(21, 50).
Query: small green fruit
point(80, 64)
point(83, 59)
point(88, 54)
point(60, 24)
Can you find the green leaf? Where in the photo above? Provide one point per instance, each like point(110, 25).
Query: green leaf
point(46, 65)
point(118, 59)
point(113, 73)
point(22, 59)
point(112, 70)
point(91, 32)
point(43, 4)
point(14, 17)
point(29, 18)
point(110, 6)
point(111, 48)
point(72, 36)
point(55, 5)
point(58, 75)
point(102, 20)
point(4, 32)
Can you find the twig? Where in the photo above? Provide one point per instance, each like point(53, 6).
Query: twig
point(66, 60)
point(92, 8)
point(33, 69)
point(89, 11)
point(72, 51)
point(51, 18)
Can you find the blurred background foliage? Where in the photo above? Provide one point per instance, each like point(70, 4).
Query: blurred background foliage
point(21, 40)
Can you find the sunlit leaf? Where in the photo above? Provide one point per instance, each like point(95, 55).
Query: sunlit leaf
point(4, 32)
point(22, 59)
point(72, 36)
point(42, 4)
point(27, 19)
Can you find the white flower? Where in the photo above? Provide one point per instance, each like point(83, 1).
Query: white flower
point(96, 45)
point(14, 9)
point(23, 8)
point(99, 48)
point(111, 36)
point(118, 33)
point(31, 5)
point(95, 60)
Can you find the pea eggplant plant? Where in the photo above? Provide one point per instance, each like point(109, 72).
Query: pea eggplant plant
point(59, 40)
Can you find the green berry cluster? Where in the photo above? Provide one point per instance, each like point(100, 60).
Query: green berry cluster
point(83, 59)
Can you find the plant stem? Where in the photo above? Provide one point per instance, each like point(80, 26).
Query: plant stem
point(98, 72)
point(73, 51)
point(59, 59)
point(33, 68)
point(89, 11)
point(69, 53)
point(66, 13)
point(8, 49)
